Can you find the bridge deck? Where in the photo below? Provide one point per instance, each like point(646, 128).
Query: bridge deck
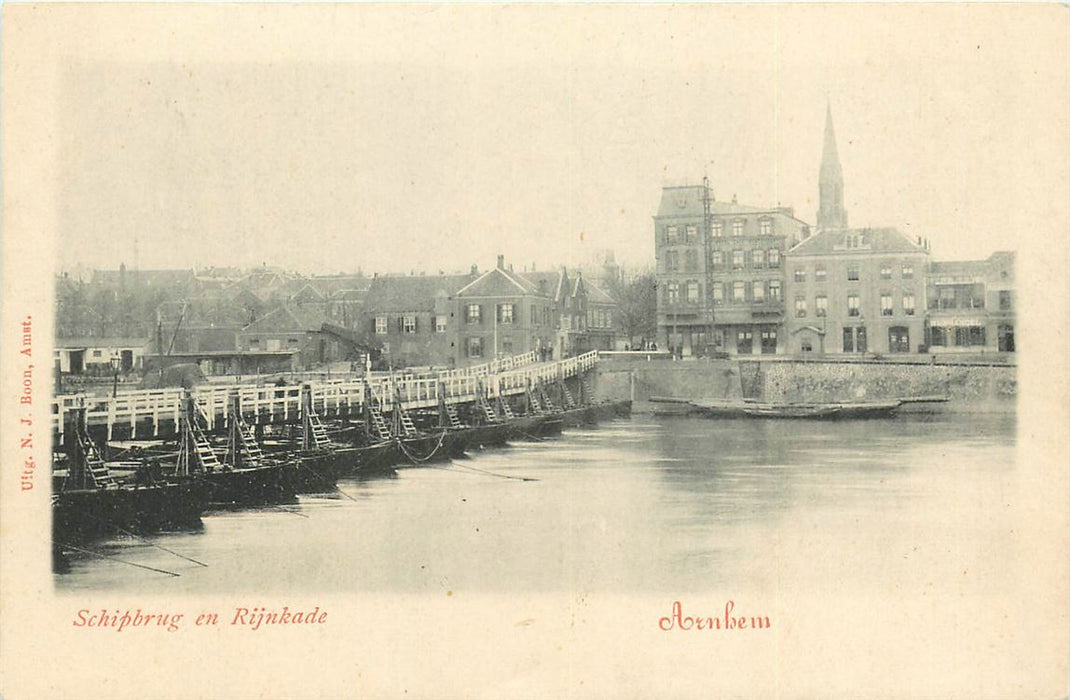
point(154, 413)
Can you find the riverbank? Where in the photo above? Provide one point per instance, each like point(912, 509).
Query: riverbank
point(970, 387)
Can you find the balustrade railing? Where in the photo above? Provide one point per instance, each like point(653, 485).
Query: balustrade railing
point(283, 403)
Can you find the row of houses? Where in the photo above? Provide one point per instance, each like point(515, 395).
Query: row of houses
point(740, 280)
point(267, 321)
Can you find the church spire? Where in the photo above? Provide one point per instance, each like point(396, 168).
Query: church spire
point(830, 213)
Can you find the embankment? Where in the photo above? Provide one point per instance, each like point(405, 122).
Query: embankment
point(969, 387)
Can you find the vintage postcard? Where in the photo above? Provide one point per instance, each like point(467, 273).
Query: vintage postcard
point(534, 351)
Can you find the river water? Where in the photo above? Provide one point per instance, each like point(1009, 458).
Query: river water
point(646, 505)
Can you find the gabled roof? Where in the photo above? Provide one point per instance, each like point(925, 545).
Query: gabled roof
point(872, 240)
point(288, 318)
point(597, 296)
point(498, 282)
point(308, 292)
point(397, 293)
point(578, 286)
point(552, 281)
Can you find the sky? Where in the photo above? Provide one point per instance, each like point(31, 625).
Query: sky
point(330, 139)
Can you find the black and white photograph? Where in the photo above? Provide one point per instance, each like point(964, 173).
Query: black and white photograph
point(535, 351)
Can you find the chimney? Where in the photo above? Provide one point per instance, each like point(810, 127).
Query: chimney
point(501, 262)
point(475, 270)
point(510, 267)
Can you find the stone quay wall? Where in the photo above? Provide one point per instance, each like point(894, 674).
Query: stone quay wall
point(969, 387)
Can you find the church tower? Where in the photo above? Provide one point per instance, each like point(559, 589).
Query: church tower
point(830, 213)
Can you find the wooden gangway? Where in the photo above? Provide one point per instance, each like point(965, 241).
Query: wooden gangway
point(154, 413)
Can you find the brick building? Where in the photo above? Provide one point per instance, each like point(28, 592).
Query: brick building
point(506, 313)
point(971, 305)
point(720, 272)
point(413, 318)
point(856, 291)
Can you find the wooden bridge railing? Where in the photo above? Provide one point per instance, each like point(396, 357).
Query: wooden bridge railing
point(270, 403)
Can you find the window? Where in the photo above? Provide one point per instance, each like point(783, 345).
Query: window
point(758, 291)
point(908, 304)
point(255, 342)
point(717, 229)
point(672, 234)
point(673, 292)
point(380, 325)
point(718, 293)
point(800, 274)
point(98, 353)
point(806, 345)
point(886, 304)
point(744, 342)
point(534, 317)
point(765, 227)
point(505, 314)
point(507, 346)
point(408, 323)
point(672, 260)
point(852, 305)
point(769, 342)
point(737, 260)
point(800, 307)
point(292, 342)
point(1005, 338)
point(692, 292)
point(820, 274)
point(821, 306)
point(737, 228)
point(757, 258)
point(969, 335)
point(947, 298)
point(473, 313)
point(938, 336)
point(692, 233)
point(886, 271)
point(475, 347)
point(898, 339)
point(852, 273)
point(774, 290)
point(440, 324)
point(908, 271)
point(1004, 300)
point(739, 292)
point(774, 257)
point(717, 258)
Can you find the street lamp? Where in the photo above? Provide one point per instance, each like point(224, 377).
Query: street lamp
point(114, 362)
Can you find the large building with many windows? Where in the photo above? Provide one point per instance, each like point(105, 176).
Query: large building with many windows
point(856, 291)
point(720, 273)
point(747, 280)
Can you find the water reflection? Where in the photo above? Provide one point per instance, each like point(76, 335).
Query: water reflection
point(647, 505)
